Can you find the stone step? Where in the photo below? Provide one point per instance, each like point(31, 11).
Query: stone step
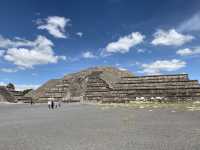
point(157, 77)
point(106, 95)
point(48, 97)
point(151, 81)
point(159, 83)
point(156, 87)
point(62, 85)
point(56, 92)
point(157, 93)
point(96, 84)
point(99, 90)
point(161, 94)
point(94, 79)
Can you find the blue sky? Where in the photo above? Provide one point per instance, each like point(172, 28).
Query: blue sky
point(41, 40)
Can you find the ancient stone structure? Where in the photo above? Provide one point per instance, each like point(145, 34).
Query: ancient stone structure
point(106, 84)
point(5, 95)
point(9, 94)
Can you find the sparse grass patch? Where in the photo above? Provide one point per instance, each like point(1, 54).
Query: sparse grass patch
point(191, 106)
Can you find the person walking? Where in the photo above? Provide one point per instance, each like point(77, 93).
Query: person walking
point(56, 104)
point(52, 104)
point(31, 102)
point(59, 103)
point(49, 104)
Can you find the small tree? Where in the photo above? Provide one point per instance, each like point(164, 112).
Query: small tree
point(11, 86)
point(27, 91)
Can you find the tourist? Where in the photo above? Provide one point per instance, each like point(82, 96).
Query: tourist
point(56, 104)
point(31, 102)
point(59, 103)
point(49, 104)
point(52, 104)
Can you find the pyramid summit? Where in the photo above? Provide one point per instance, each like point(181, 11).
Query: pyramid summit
point(109, 84)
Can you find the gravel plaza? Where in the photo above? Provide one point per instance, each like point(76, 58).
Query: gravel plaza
point(93, 127)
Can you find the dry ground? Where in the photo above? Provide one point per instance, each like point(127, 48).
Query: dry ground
point(136, 126)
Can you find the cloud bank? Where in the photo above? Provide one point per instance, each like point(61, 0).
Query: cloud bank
point(191, 24)
point(88, 54)
point(27, 54)
point(158, 66)
point(188, 51)
point(125, 43)
point(170, 38)
point(55, 25)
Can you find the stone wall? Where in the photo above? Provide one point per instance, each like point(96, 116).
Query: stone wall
point(162, 88)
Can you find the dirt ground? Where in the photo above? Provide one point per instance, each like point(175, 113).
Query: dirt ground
point(96, 127)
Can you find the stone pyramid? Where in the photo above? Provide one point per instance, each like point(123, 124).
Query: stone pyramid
point(108, 84)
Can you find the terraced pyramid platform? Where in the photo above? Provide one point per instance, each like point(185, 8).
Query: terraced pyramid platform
point(5, 95)
point(12, 95)
point(107, 84)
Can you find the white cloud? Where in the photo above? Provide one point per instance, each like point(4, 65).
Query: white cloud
point(141, 50)
point(2, 52)
point(88, 54)
point(64, 58)
point(170, 38)
point(2, 83)
point(123, 44)
point(119, 66)
point(80, 34)
point(9, 70)
point(137, 63)
point(122, 69)
point(34, 74)
point(191, 24)
point(26, 58)
point(27, 54)
point(188, 52)
point(22, 87)
point(17, 42)
point(162, 65)
point(55, 25)
point(73, 59)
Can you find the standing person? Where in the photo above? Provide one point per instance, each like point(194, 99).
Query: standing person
point(31, 102)
point(56, 104)
point(59, 103)
point(52, 104)
point(49, 104)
